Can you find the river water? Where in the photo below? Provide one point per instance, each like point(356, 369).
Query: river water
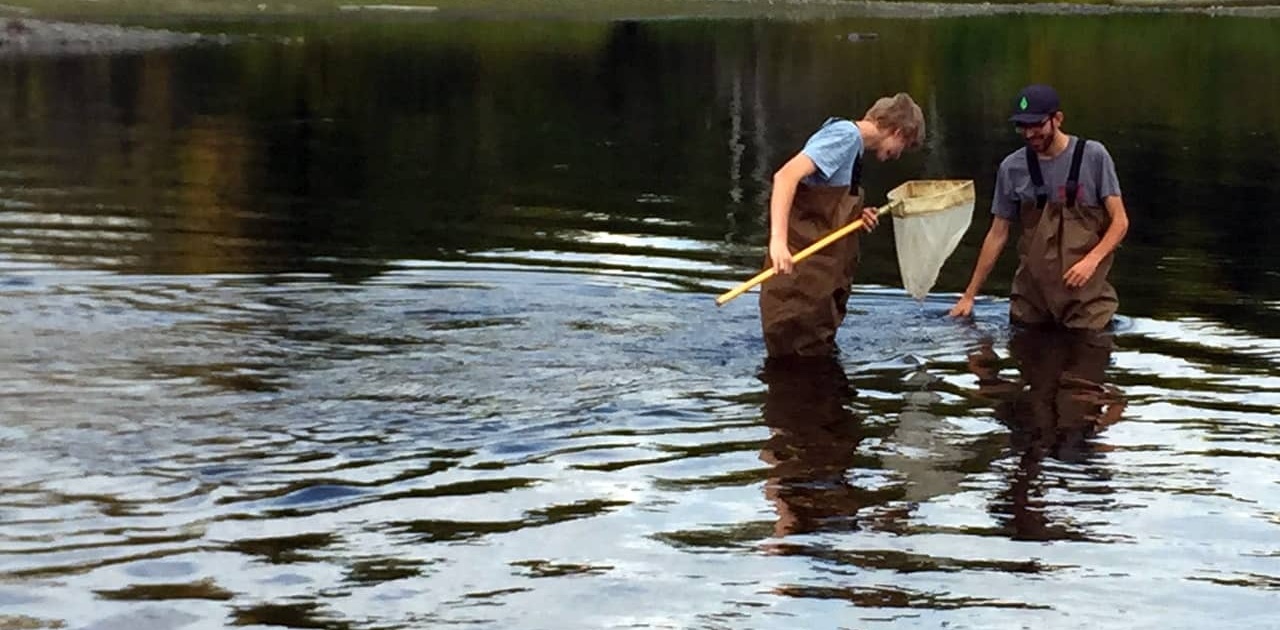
point(375, 323)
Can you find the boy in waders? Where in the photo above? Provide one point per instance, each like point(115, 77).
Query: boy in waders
point(816, 192)
point(1064, 192)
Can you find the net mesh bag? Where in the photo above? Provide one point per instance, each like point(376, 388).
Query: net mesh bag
point(927, 228)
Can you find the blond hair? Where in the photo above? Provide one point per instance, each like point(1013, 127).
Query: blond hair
point(899, 113)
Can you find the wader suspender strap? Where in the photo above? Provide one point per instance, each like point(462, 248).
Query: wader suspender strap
point(1073, 178)
point(855, 180)
point(1037, 180)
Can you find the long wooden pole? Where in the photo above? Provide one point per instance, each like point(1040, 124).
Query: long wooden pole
point(802, 254)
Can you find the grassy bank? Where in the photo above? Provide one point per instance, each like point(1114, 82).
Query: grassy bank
point(579, 9)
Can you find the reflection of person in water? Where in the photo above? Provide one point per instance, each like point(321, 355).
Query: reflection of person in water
point(1054, 410)
point(813, 444)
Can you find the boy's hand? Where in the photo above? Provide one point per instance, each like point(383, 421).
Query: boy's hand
point(780, 255)
point(869, 219)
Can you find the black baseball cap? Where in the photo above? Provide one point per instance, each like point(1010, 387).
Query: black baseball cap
point(1034, 104)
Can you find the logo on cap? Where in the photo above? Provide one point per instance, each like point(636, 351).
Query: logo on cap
point(1023, 103)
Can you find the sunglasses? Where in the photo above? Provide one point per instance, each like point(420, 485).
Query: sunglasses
point(1032, 126)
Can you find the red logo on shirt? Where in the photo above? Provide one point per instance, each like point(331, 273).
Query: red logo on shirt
point(1062, 192)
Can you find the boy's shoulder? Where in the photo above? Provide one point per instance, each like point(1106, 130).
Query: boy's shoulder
point(839, 125)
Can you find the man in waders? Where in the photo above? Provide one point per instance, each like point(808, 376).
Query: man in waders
point(1064, 192)
point(817, 192)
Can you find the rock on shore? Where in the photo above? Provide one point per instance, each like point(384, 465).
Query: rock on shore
point(22, 36)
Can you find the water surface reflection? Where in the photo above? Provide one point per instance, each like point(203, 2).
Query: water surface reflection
point(411, 324)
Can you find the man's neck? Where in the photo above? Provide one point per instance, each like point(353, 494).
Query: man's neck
point(1059, 144)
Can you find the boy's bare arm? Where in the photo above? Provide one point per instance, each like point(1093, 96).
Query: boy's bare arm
point(785, 182)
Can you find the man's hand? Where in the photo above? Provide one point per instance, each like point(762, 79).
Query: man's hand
point(963, 307)
point(1081, 272)
point(780, 255)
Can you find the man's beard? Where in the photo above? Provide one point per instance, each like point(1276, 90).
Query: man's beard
point(1040, 144)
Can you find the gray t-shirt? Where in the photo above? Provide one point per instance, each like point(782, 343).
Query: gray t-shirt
point(1097, 178)
point(833, 148)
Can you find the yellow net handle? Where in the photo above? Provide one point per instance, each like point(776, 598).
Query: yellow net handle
point(893, 206)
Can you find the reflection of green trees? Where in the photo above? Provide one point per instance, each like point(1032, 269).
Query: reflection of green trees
point(1189, 107)
point(415, 139)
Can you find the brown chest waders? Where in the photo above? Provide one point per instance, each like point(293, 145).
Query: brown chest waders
point(1056, 235)
point(800, 312)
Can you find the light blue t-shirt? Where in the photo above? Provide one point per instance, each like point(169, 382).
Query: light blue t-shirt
point(833, 148)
